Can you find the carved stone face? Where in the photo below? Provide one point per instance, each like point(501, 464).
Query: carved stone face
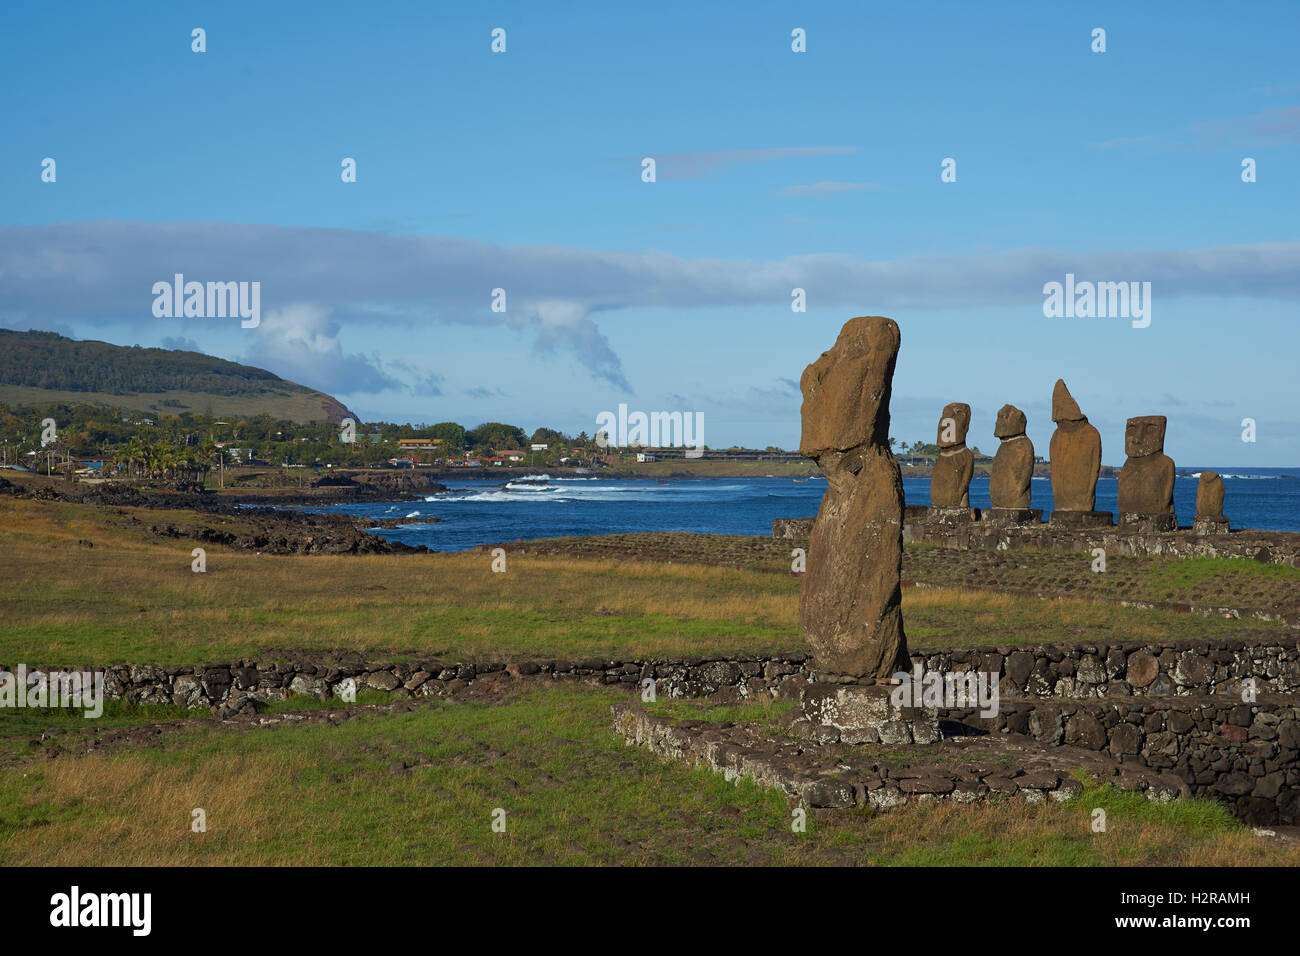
point(846, 391)
point(1144, 435)
point(1011, 422)
point(953, 425)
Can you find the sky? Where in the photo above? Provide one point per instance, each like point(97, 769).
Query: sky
point(821, 170)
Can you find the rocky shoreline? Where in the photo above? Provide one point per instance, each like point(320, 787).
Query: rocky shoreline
point(259, 523)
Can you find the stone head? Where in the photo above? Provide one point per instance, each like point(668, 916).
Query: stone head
point(953, 425)
point(1011, 422)
point(1144, 435)
point(846, 391)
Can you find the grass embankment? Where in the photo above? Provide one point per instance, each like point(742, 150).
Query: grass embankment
point(133, 597)
point(1229, 582)
point(421, 788)
point(1204, 582)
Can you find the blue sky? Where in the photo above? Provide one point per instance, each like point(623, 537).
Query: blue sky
point(776, 169)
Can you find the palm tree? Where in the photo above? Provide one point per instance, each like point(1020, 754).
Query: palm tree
point(207, 452)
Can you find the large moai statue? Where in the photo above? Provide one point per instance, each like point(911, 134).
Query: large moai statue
point(849, 607)
point(1076, 462)
point(1146, 482)
point(1209, 505)
point(1013, 466)
point(950, 478)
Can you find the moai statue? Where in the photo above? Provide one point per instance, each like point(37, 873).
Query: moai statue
point(1013, 465)
point(1076, 462)
point(849, 607)
point(950, 479)
point(1209, 505)
point(1146, 482)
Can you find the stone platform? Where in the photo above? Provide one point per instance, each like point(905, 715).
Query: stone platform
point(1147, 524)
point(864, 713)
point(1209, 538)
point(1012, 515)
point(1082, 519)
point(837, 775)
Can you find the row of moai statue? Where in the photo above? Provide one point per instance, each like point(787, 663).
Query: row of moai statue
point(1146, 482)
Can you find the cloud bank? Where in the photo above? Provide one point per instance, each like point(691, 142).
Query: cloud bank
point(317, 281)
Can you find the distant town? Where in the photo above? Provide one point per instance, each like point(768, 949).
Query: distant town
point(93, 441)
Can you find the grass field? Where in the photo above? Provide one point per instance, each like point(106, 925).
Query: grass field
point(133, 597)
point(421, 788)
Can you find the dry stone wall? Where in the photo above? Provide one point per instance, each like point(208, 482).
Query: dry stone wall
point(1173, 709)
point(1127, 669)
point(1244, 754)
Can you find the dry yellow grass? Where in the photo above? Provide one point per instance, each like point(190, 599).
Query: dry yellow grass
point(134, 597)
point(272, 805)
point(130, 809)
point(1053, 833)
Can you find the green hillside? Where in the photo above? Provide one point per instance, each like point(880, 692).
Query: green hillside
point(39, 368)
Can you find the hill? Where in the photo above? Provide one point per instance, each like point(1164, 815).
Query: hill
point(38, 368)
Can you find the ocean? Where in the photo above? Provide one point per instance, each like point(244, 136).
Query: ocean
point(485, 511)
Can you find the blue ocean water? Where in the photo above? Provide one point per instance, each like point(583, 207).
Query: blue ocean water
point(484, 511)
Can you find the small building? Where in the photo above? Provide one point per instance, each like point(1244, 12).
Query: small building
point(412, 444)
point(644, 456)
point(537, 447)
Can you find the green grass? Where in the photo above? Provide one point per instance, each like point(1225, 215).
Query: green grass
point(420, 788)
point(21, 727)
point(1248, 582)
point(133, 597)
point(762, 710)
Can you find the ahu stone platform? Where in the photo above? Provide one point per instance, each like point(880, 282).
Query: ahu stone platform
point(975, 529)
point(829, 774)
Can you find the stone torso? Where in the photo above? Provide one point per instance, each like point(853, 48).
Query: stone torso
point(1209, 495)
point(1146, 485)
point(1076, 462)
point(950, 480)
point(850, 605)
point(1013, 470)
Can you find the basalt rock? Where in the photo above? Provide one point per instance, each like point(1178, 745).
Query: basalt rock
point(1209, 505)
point(1146, 482)
point(849, 608)
point(950, 478)
point(1209, 495)
point(1076, 454)
point(1013, 465)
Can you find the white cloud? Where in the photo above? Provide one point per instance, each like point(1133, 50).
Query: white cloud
point(105, 270)
point(1271, 127)
point(300, 342)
